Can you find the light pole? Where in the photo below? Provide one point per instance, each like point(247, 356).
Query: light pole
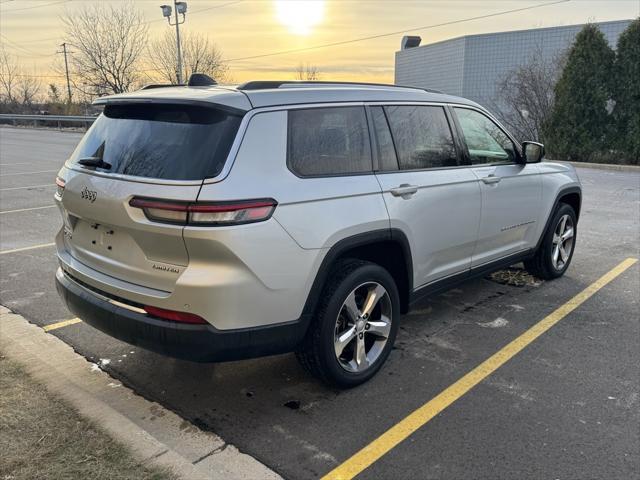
point(180, 8)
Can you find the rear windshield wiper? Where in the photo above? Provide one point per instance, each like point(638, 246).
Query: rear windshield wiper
point(96, 162)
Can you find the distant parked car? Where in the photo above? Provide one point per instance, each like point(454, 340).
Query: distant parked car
point(213, 223)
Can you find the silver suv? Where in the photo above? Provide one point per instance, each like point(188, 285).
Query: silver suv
point(214, 223)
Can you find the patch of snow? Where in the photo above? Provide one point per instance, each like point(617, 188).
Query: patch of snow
point(497, 323)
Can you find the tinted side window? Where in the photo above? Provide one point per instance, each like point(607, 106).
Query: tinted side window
point(328, 141)
point(386, 151)
point(486, 142)
point(422, 136)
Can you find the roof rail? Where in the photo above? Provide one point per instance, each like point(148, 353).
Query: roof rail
point(266, 84)
point(161, 85)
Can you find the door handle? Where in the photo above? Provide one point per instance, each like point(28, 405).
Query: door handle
point(405, 191)
point(491, 179)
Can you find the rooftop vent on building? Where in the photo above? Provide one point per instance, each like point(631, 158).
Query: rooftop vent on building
point(410, 41)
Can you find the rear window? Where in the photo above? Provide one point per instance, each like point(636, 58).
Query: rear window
point(328, 141)
point(170, 142)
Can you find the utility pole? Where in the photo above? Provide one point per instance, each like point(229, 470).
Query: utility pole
point(66, 69)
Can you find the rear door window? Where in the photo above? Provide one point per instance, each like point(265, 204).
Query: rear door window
point(328, 141)
point(422, 136)
point(162, 141)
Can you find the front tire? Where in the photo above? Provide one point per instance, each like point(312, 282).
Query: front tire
point(355, 325)
point(558, 244)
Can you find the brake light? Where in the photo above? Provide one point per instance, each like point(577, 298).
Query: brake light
point(181, 317)
point(60, 183)
point(216, 213)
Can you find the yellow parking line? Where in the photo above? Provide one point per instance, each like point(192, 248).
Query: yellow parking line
point(399, 432)
point(54, 326)
point(24, 249)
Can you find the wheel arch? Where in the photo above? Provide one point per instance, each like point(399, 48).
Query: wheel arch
point(572, 198)
point(388, 248)
point(569, 195)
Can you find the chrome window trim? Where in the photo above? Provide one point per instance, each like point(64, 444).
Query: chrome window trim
point(248, 116)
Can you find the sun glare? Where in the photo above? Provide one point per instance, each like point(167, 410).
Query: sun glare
point(300, 16)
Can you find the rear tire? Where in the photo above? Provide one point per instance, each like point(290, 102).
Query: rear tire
point(354, 327)
point(554, 255)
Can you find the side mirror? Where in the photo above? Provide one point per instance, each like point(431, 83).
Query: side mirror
point(532, 152)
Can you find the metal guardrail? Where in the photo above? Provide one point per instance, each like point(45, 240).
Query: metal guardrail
point(58, 120)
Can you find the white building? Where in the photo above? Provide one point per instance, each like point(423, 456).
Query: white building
point(473, 65)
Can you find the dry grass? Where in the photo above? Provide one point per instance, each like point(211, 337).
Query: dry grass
point(42, 437)
point(515, 277)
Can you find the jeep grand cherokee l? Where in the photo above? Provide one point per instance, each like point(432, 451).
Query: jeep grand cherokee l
point(213, 223)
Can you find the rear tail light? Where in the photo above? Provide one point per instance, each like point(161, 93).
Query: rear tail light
point(218, 213)
point(60, 183)
point(181, 317)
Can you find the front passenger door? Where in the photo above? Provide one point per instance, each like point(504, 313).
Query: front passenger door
point(511, 190)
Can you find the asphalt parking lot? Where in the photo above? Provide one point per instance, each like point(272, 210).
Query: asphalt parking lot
point(566, 407)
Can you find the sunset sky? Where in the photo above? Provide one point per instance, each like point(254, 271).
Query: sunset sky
point(32, 29)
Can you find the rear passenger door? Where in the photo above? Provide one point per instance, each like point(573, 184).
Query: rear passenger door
point(428, 196)
point(511, 190)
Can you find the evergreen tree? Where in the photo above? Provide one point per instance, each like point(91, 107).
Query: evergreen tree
point(580, 123)
point(627, 93)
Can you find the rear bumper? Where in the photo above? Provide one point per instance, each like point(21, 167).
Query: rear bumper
point(199, 343)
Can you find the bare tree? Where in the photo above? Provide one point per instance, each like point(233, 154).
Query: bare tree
point(9, 72)
point(28, 89)
point(307, 72)
point(108, 43)
point(199, 55)
point(18, 89)
point(526, 95)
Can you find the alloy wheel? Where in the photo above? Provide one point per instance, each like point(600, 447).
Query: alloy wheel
point(563, 237)
point(363, 327)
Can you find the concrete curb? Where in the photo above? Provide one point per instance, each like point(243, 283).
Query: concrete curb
point(154, 434)
point(604, 166)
